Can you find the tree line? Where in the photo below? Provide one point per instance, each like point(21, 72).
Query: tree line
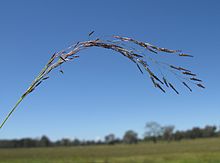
point(154, 133)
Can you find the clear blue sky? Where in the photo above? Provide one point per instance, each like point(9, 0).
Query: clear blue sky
point(102, 92)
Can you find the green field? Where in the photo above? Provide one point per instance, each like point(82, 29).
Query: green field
point(187, 151)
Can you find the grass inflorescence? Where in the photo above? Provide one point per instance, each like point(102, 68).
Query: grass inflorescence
point(125, 47)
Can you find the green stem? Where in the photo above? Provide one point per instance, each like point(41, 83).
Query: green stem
point(12, 110)
point(39, 77)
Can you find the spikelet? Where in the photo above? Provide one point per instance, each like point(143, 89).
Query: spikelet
point(200, 85)
point(139, 68)
point(165, 81)
point(144, 45)
point(62, 58)
point(174, 67)
point(38, 84)
point(185, 55)
point(158, 79)
point(151, 50)
point(179, 68)
point(137, 55)
point(166, 50)
point(45, 78)
point(195, 79)
point(158, 86)
point(62, 71)
point(152, 75)
point(76, 44)
point(173, 88)
point(187, 86)
point(51, 59)
point(143, 63)
point(188, 73)
point(91, 33)
point(153, 81)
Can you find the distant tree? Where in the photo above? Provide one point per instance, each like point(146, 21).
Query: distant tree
point(99, 142)
point(90, 142)
point(130, 137)
point(110, 139)
point(168, 132)
point(118, 141)
point(209, 131)
point(27, 142)
point(44, 141)
point(8, 144)
point(57, 143)
point(196, 132)
point(76, 142)
point(65, 142)
point(178, 135)
point(153, 131)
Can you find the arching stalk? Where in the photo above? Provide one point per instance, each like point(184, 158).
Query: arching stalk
point(139, 59)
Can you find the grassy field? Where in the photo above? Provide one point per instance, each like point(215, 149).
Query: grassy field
point(188, 151)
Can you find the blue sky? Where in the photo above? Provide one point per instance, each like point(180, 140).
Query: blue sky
point(102, 92)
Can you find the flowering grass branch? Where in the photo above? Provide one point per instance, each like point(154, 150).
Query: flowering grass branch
point(124, 46)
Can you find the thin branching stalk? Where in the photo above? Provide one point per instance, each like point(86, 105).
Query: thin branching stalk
point(124, 46)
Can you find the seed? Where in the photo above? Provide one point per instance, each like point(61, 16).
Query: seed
point(139, 68)
point(173, 88)
point(188, 73)
point(185, 55)
point(91, 33)
point(165, 81)
point(187, 86)
point(200, 85)
point(158, 85)
point(195, 79)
